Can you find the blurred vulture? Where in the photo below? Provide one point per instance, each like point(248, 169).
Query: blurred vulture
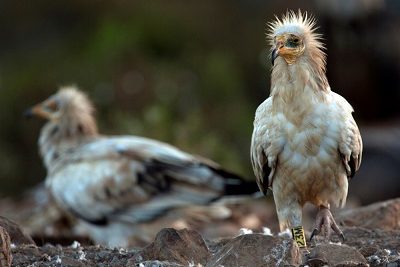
point(123, 183)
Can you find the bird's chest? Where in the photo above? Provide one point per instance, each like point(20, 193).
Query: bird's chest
point(310, 137)
point(309, 166)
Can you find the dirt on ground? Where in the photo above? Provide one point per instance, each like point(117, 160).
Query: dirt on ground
point(363, 247)
point(372, 238)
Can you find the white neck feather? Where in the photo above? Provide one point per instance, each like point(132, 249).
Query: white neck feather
point(295, 88)
point(56, 140)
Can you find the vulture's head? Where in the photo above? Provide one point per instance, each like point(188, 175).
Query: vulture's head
point(69, 112)
point(293, 39)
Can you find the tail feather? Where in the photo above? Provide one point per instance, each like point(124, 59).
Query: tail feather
point(204, 174)
point(235, 184)
point(241, 187)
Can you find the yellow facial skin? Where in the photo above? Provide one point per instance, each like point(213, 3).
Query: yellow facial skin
point(289, 47)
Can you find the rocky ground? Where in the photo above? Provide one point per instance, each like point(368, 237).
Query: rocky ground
point(372, 239)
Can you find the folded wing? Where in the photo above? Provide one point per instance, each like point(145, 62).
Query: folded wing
point(266, 144)
point(134, 179)
point(350, 144)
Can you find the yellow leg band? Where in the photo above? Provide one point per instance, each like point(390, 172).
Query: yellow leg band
point(299, 237)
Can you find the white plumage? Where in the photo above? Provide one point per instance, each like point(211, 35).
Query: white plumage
point(121, 182)
point(305, 144)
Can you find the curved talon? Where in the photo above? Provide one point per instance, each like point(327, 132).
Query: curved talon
point(335, 228)
point(326, 222)
point(314, 233)
point(341, 236)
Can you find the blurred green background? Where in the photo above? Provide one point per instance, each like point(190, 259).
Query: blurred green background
point(191, 73)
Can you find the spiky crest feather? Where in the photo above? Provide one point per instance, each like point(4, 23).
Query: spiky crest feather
point(304, 26)
point(77, 111)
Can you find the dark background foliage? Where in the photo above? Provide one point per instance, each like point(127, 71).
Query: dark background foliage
point(191, 73)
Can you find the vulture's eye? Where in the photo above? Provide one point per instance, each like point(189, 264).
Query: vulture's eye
point(293, 42)
point(51, 106)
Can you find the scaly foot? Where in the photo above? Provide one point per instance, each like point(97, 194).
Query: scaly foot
point(325, 222)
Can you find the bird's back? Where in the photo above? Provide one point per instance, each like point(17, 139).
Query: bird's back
point(134, 179)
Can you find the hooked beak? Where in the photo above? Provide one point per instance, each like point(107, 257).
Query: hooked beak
point(36, 111)
point(42, 110)
point(28, 113)
point(276, 51)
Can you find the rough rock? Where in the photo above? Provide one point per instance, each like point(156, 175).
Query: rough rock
point(48, 255)
point(376, 245)
point(5, 248)
point(382, 215)
point(361, 237)
point(256, 250)
point(336, 255)
point(156, 264)
point(176, 246)
point(376, 256)
point(17, 235)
